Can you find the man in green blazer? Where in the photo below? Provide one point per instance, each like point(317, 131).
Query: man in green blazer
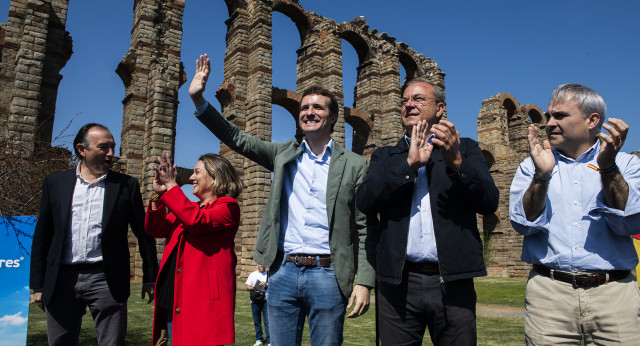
point(312, 236)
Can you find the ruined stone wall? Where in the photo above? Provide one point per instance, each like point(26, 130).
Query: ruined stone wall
point(502, 132)
point(152, 73)
point(247, 93)
point(34, 47)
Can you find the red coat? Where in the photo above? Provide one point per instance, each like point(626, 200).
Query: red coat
point(205, 280)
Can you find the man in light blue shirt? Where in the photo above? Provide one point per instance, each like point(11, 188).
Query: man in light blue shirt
point(577, 202)
point(312, 236)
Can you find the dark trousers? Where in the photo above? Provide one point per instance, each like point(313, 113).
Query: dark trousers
point(260, 313)
point(420, 301)
point(76, 288)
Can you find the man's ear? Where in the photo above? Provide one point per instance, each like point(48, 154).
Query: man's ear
point(441, 107)
point(593, 120)
point(80, 149)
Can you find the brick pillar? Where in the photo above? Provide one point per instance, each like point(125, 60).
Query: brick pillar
point(34, 47)
point(501, 125)
point(152, 73)
point(246, 100)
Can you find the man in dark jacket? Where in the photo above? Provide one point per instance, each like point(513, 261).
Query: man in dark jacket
point(427, 190)
point(80, 251)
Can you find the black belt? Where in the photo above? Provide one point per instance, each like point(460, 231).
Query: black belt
point(310, 260)
point(584, 280)
point(428, 268)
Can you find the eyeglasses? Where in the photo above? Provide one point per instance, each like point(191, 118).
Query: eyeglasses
point(420, 101)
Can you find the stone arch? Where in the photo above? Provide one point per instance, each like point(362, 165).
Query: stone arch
point(296, 13)
point(290, 101)
point(535, 114)
point(358, 43)
point(362, 125)
point(410, 66)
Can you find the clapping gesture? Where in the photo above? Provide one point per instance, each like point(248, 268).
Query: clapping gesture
point(166, 173)
point(541, 154)
point(610, 144)
point(419, 150)
point(448, 140)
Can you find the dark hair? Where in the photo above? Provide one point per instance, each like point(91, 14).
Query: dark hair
point(226, 181)
point(81, 137)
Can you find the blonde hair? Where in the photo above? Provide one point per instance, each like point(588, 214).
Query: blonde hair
point(226, 181)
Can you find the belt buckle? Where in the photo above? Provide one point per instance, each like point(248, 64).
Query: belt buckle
point(585, 277)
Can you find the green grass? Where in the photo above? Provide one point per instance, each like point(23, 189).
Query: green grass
point(492, 330)
point(501, 291)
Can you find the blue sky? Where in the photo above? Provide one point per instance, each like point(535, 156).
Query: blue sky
point(14, 291)
point(525, 48)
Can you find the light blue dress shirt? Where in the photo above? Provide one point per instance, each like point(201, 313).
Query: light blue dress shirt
point(303, 209)
point(576, 230)
point(421, 243)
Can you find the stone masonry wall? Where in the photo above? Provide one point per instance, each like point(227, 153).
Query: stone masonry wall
point(502, 132)
point(34, 46)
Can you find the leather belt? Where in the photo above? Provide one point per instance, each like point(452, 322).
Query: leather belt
point(309, 260)
point(428, 268)
point(584, 280)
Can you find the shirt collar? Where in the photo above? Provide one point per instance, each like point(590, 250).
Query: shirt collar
point(587, 156)
point(326, 153)
point(79, 176)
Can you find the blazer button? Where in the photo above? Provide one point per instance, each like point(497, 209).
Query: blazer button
point(177, 310)
point(179, 270)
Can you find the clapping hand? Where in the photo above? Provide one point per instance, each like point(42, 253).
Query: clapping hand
point(166, 174)
point(419, 150)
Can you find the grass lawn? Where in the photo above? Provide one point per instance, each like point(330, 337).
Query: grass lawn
point(492, 330)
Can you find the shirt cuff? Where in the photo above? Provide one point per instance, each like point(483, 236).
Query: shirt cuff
point(202, 108)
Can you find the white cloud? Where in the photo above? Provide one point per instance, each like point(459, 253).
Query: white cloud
point(13, 320)
point(27, 288)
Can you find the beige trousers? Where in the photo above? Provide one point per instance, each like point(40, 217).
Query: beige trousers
point(557, 313)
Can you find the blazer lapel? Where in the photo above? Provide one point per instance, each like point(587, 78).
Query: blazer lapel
point(336, 170)
point(67, 187)
point(111, 190)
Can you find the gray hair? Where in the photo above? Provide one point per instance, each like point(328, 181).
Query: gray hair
point(587, 99)
point(438, 92)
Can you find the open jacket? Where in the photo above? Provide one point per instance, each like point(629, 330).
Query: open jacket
point(347, 225)
point(205, 278)
point(455, 199)
point(122, 207)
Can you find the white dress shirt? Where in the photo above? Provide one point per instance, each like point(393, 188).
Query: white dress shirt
point(83, 240)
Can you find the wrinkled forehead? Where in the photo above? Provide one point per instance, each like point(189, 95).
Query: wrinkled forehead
point(419, 88)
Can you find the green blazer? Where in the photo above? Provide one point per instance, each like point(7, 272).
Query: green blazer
point(347, 224)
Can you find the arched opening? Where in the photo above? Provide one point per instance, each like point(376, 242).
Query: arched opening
point(283, 124)
point(350, 63)
point(285, 41)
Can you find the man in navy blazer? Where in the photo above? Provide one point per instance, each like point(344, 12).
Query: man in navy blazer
point(80, 251)
point(427, 190)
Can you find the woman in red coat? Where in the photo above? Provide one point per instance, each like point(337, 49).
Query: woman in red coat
point(196, 286)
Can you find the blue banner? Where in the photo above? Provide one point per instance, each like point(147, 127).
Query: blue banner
point(15, 247)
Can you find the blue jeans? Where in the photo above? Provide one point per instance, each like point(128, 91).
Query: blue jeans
point(296, 292)
point(256, 311)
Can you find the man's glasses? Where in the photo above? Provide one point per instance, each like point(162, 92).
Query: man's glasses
point(419, 101)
